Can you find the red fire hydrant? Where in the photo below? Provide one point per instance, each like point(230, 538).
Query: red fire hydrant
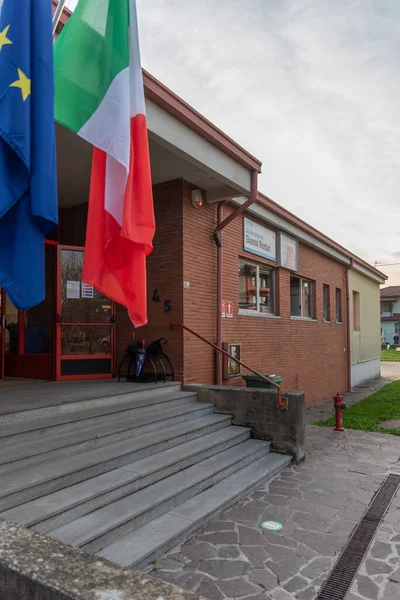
point(338, 404)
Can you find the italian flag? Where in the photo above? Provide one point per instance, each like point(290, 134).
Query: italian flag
point(99, 96)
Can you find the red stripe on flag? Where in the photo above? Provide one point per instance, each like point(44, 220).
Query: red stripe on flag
point(115, 256)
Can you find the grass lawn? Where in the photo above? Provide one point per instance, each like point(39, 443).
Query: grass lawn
point(384, 405)
point(390, 355)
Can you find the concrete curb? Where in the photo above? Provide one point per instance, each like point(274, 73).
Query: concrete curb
point(35, 567)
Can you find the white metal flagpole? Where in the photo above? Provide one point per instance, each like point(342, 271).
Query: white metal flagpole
point(57, 14)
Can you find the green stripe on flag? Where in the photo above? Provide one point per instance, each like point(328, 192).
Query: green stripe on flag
point(90, 51)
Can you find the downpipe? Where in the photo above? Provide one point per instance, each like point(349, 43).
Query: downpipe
point(221, 224)
point(348, 340)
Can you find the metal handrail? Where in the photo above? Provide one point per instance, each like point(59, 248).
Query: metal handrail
point(174, 324)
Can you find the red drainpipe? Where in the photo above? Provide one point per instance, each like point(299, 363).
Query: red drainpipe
point(348, 340)
point(221, 224)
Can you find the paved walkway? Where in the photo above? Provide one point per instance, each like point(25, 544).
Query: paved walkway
point(390, 369)
point(379, 574)
point(318, 503)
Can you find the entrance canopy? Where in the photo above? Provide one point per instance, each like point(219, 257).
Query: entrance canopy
point(176, 151)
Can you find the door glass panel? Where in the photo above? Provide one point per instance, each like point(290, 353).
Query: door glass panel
point(86, 328)
point(80, 303)
point(78, 339)
point(39, 320)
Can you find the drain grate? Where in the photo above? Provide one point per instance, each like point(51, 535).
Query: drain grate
point(342, 575)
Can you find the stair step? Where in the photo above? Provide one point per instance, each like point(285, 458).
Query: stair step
point(20, 456)
point(149, 542)
point(58, 399)
point(106, 525)
point(33, 429)
point(27, 484)
point(62, 507)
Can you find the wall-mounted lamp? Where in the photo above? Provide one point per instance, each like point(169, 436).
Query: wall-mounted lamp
point(197, 198)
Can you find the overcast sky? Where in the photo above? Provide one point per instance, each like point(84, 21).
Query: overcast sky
point(311, 88)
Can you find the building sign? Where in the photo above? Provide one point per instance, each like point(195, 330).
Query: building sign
point(230, 367)
point(288, 255)
point(223, 308)
point(259, 240)
point(229, 308)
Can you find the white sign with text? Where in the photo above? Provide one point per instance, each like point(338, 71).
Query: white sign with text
point(259, 240)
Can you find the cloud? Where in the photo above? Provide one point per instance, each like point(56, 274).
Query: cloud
point(310, 87)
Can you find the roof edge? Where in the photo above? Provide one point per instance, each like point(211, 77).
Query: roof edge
point(392, 291)
point(65, 15)
point(186, 114)
point(289, 216)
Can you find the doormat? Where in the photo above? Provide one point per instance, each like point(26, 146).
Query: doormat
point(343, 573)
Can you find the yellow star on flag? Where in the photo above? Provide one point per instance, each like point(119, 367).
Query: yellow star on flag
point(3, 37)
point(23, 83)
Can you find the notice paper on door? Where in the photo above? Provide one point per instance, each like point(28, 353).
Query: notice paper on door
point(73, 289)
point(87, 290)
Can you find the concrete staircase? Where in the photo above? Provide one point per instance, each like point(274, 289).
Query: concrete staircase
point(127, 476)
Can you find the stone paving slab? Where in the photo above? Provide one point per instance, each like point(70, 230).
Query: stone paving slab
point(318, 502)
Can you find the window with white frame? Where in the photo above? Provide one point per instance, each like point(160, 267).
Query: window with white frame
point(256, 288)
point(301, 298)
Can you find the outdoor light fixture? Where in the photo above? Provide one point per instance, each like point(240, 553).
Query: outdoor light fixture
point(197, 198)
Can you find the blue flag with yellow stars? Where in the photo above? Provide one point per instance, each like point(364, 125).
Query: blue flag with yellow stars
point(28, 187)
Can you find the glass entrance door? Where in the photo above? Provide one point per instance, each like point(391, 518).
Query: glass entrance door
point(85, 322)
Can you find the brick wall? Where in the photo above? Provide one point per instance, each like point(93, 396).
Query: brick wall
point(164, 279)
point(199, 269)
point(310, 355)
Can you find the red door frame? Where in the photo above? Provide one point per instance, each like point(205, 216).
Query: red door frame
point(59, 324)
point(17, 363)
point(2, 331)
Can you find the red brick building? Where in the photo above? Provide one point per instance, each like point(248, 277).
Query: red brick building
point(310, 350)
point(285, 286)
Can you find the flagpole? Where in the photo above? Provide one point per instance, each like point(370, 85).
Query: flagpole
point(57, 14)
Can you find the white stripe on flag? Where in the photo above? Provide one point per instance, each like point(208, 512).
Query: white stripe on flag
point(136, 79)
point(109, 126)
point(116, 178)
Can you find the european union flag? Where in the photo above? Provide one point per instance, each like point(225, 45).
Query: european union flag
point(28, 186)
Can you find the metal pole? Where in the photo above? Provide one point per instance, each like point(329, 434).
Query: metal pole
point(57, 14)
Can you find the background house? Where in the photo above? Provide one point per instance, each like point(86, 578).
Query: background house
point(390, 311)
point(363, 307)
